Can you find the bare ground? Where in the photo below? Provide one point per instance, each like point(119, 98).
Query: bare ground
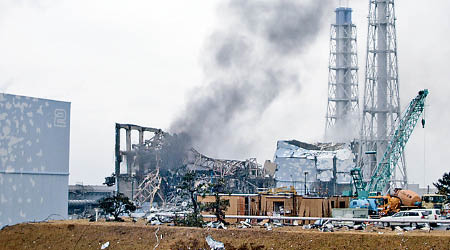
point(91, 235)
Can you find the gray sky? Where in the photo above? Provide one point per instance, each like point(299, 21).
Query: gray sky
point(141, 61)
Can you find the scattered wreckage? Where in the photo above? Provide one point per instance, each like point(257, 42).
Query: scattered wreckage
point(150, 170)
point(157, 217)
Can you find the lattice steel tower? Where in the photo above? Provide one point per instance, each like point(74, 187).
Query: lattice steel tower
point(343, 104)
point(381, 107)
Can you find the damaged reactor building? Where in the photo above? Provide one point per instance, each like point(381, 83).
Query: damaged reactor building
point(321, 169)
point(150, 169)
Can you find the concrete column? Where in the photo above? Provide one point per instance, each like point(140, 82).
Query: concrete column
point(118, 157)
point(141, 137)
point(128, 147)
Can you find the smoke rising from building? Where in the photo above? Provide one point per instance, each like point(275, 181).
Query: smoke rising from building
point(248, 63)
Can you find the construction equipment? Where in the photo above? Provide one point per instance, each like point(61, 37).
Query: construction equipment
point(387, 204)
point(370, 204)
point(381, 176)
point(433, 201)
point(409, 198)
point(401, 200)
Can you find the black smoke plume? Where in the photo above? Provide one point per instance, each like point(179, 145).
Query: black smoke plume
point(249, 60)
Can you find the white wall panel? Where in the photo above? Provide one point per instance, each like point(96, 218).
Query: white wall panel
point(34, 158)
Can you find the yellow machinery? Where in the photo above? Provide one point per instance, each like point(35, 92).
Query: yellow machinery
point(280, 190)
point(433, 201)
point(391, 204)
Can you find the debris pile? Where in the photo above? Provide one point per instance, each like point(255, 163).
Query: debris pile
point(216, 224)
point(155, 166)
point(213, 244)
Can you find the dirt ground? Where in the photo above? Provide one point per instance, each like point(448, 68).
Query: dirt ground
point(127, 235)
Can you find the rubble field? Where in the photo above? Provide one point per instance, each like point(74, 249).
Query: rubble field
point(81, 234)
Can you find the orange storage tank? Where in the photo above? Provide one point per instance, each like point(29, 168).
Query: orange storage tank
point(408, 197)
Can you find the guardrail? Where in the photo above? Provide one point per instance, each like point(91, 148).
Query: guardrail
point(324, 218)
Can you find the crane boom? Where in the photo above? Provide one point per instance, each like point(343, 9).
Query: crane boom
point(381, 176)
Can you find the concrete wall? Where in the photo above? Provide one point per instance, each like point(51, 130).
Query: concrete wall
point(90, 192)
point(268, 204)
point(34, 158)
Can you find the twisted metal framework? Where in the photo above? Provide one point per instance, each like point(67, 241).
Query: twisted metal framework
point(148, 182)
point(223, 168)
point(150, 185)
point(381, 107)
point(148, 188)
point(240, 176)
point(343, 93)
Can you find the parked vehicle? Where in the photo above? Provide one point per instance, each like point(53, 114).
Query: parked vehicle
point(446, 211)
point(404, 217)
point(431, 214)
point(370, 204)
point(433, 201)
point(387, 204)
point(401, 200)
point(409, 198)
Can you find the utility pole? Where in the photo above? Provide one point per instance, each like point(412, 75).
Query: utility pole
point(306, 173)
